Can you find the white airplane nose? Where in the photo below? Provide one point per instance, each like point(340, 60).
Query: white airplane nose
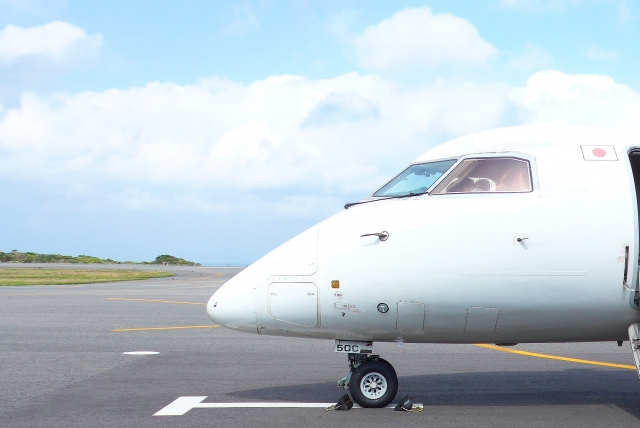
point(234, 306)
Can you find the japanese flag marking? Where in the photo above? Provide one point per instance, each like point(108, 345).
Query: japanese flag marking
point(599, 153)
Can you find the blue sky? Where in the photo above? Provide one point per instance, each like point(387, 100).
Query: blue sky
point(215, 131)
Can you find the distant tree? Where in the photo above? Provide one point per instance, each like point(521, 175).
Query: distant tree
point(172, 261)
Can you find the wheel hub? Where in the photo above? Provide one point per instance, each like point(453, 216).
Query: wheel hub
point(373, 385)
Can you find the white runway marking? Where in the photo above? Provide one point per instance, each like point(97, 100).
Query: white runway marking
point(141, 353)
point(182, 405)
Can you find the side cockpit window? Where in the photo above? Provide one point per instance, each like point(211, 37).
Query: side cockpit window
point(488, 175)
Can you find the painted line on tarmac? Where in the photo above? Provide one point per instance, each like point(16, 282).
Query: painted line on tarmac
point(156, 301)
point(182, 405)
point(180, 327)
point(555, 357)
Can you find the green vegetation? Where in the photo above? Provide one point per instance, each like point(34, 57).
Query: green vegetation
point(39, 276)
point(29, 257)
point(165, 258)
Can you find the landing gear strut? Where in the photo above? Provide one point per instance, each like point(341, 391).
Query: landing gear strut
point(372, 381)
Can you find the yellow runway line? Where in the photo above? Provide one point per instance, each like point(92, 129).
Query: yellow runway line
point(554, 357)
point(122, 330)
point(157, 301)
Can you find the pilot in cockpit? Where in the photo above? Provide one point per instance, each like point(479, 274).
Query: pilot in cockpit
point(462, 185)
point(488, 175)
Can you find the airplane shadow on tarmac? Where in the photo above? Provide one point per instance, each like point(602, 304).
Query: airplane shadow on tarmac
point(521, 388)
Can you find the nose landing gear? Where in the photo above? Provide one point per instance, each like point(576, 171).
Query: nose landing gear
point(372, 381)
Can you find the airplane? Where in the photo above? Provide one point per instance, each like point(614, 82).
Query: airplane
point(514, 235)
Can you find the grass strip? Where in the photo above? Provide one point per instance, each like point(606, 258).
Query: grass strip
point(35, 276)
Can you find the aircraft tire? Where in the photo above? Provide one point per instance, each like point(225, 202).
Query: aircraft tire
point(373, 384)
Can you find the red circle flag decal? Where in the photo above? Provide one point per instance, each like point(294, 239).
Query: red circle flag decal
point(599, 153)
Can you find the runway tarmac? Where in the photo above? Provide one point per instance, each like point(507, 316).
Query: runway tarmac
point(62, 365)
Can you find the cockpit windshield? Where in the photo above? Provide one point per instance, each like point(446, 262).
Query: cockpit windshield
point(415, 180)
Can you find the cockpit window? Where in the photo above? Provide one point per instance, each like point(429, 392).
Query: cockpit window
point(487, 175)
point(416, 179)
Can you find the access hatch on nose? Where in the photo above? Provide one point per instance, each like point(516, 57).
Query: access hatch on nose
point(294, 302)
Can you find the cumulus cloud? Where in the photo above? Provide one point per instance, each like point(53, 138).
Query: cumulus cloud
point(284, 135)
point(32, 59)
point(554, 98)
point(336, 108)
point(415, 38)
point(55, 40)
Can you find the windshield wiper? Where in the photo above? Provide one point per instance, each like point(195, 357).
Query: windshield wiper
point(350, 204)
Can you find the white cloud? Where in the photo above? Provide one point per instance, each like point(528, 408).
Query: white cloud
point(284, 135)
point(555, 98)
point(415, 38)
point(212, 146)
point(597, 53)
point(55, 40)
point(534, 57)
point(336, 108)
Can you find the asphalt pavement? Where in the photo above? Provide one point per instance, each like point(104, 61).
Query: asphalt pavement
point(62, 365)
